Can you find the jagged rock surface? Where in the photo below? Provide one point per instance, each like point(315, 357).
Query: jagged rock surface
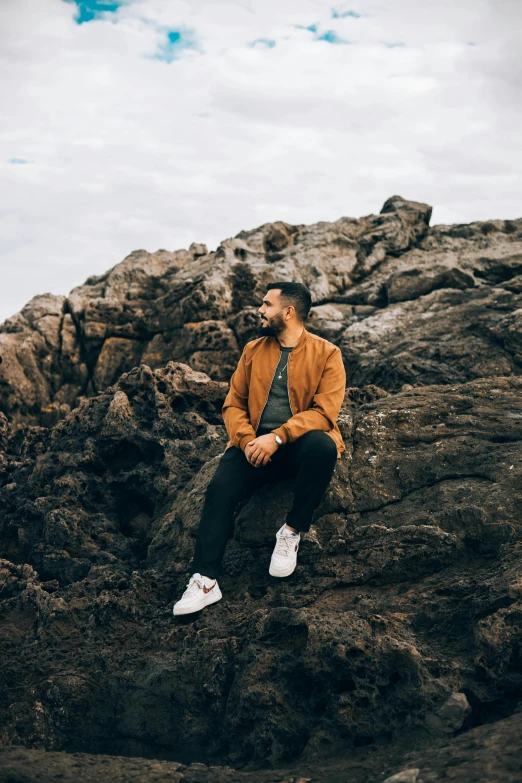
point(488, 753)
point(405, 303)
point(407, 594)
point(398, 640)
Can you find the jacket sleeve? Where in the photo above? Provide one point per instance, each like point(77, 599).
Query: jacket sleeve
point(235, 408)
point(325, 406)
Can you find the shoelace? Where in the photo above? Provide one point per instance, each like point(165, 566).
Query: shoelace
point(193, 585)
point(285, 544)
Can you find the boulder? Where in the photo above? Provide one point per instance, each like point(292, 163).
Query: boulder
point(403, 605)
point(393, 651)
point(156, 307)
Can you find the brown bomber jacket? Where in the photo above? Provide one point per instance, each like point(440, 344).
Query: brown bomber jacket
point(316, 385)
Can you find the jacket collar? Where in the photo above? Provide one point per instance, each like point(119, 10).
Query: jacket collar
point(302, 340)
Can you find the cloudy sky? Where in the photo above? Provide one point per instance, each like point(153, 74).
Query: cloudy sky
point(151, 124)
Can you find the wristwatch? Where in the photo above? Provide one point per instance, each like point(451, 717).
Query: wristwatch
point(278, 440)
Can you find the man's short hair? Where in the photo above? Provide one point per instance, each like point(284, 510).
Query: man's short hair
point(295, 294)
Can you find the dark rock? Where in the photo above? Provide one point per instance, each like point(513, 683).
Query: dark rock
point(449, 336)
point(417, 540)
point(486, 753)
point(414, 283)
point(401, 625)
point(110, 465)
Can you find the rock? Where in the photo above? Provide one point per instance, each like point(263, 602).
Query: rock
point(432, 340)
point(198, 249)
point(116, 354)
point(330, 320)
point(490, 752)
point(401, 225)
point(371, 280)
point(417, 539)
point(485, 753)
point(405, 776)
point(413, 283)
point(279, 236)
point(402, 620)
point(100, 470)
point(29, 346)
point(452, 715)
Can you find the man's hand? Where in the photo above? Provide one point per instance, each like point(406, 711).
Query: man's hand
point(259, 450)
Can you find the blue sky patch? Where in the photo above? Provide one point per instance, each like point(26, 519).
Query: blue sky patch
point(262, 43)
point(93, 9)
point(394, 44)
point(18, 161)
point(330, 36)
point(338, 14)
point(175, 43)
point(312, 28)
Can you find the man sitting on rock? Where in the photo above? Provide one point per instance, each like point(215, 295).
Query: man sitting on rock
point(280, 414)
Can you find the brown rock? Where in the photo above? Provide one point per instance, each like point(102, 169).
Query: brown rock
point(279, 236)
point(198, 249)
point(116, 355)
point(401, 625)
point(58, 351)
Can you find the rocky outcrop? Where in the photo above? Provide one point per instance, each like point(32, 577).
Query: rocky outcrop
point(401, 618)
point(406, 303)
point(104, 471)
point(488, 753)
point(394, 650)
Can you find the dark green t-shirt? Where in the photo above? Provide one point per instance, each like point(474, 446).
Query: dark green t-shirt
point(277, 409)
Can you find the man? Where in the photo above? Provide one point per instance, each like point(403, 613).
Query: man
point(280, 414)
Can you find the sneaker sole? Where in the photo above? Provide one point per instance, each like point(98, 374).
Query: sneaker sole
point(212, 599)
point(280, 572)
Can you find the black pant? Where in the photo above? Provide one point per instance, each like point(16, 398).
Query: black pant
point(311, 459)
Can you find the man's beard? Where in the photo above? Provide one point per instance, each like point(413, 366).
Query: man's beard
point(273, 328)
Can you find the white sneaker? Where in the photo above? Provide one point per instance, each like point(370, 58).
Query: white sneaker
point(201, 591)
point(284, 556)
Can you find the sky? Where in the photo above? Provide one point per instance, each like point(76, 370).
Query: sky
point(131, 124)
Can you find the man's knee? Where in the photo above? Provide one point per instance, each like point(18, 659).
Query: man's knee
point(228, 478)
point(319, 444)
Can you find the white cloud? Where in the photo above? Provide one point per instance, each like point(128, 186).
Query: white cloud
point(126, 151)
